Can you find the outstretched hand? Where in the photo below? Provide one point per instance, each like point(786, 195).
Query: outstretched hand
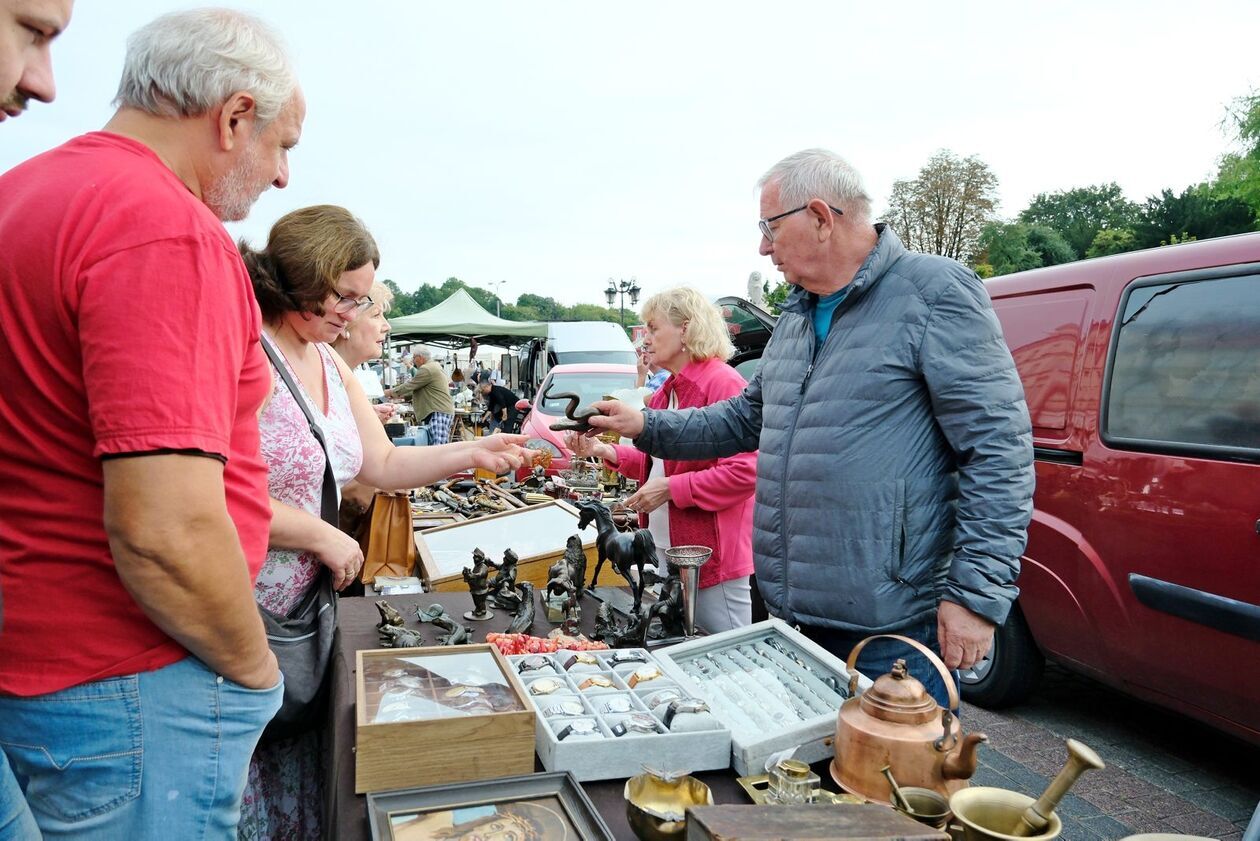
point(501, 452)
point(621, 417)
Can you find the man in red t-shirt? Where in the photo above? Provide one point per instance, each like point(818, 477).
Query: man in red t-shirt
point(135, 677)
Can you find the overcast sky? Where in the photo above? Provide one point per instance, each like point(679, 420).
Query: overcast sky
point(554, 145)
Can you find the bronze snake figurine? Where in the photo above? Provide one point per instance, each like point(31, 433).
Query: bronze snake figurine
point(576, 421)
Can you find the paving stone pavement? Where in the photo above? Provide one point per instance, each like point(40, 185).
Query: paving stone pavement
point(1165, 772)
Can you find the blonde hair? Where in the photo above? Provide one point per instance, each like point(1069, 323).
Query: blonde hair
point(707, 336)
point(381, 297)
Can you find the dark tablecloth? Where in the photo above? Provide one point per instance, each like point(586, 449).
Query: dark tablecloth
point(356, 629)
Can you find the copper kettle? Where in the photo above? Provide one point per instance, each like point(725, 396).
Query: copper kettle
point(896, 722)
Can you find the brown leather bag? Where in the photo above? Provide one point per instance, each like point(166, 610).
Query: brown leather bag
point(389, 543)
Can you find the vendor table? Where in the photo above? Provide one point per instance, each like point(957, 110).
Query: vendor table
point(346, 818)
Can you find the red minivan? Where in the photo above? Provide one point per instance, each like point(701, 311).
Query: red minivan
point(1142, 373)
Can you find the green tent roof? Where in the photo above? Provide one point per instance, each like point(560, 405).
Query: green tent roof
point(459, 319)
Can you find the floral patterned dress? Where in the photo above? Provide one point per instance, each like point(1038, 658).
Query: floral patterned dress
point(284, 795)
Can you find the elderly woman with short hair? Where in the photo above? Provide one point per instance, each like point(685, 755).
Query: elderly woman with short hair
point(710, 502)
point(364, 341)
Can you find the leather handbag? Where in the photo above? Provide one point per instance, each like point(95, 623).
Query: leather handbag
point(389, 545)
point(302, 639)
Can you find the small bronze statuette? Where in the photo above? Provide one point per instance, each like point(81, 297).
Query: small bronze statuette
point(632, 634)
point(524, 620)
point(503, 588)
point(576, 421)
point(392, 636)
point(669, 609)
point(623, 549)
point(477, 579)
point(456, 634)
point(389, 616)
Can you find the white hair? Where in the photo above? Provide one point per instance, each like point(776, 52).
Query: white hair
point(185, 63)
point(819, 174)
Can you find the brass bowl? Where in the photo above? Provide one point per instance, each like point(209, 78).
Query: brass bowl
point(656, 806)
point(990, 814)
point(930, 807)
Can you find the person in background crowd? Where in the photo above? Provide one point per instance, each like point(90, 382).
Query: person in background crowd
point(895, 481)
point(649, 374)
point(27, 30)
point(685, 502)
point(150, 494)
point(501, 411)
point(430, 397)
point(313, 282)
point(365, 343)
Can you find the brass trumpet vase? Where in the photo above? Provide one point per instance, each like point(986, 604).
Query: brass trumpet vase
point(688, 560)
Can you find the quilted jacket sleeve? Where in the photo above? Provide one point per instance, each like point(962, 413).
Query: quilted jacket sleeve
point(722, 429)
point(978, 402)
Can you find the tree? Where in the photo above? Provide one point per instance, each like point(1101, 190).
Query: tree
point(1014, 247)
point(1079, 214)
point(1111, 241)
point(1239, 174)
point(945, 208)
point(776, 297)
point(1193, 214)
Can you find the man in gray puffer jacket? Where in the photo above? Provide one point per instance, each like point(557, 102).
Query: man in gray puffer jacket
point(895, 479)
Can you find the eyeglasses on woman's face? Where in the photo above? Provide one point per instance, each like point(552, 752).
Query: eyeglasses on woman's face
point(346, 306)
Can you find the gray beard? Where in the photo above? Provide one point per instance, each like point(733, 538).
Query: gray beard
point(231, 197)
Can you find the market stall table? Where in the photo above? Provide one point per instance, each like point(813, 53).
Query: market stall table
point(356, 629)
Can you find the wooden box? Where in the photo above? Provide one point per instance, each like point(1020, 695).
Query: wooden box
point(537, 534)
point(848, 821)
point(439, 715)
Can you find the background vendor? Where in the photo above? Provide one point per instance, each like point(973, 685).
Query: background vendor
point(430, 395)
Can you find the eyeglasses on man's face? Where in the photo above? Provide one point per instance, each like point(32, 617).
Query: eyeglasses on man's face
point(346, 306)
point(768, 232)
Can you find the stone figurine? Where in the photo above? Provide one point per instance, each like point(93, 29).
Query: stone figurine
point(624, 550)
point(478, 580)
point(524, 621)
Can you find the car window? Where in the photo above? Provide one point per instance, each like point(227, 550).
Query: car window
point(606, 357)
point(588, 387)
point(1186, 368)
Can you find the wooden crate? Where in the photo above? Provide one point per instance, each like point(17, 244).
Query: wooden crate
point(444, 551)
point(446, 745)
point(867, 822)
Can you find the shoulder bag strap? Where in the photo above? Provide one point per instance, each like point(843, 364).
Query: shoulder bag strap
point(328, 497)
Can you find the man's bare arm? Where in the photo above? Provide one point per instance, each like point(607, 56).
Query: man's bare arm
point(178, 554)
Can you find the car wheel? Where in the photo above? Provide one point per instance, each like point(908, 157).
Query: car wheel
point(1011, 671)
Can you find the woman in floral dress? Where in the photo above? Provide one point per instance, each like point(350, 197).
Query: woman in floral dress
point(312, 281)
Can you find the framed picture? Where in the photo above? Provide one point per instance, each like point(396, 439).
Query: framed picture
point(547, 807)
point(431, 519)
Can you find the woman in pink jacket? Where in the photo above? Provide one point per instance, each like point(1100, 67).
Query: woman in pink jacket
point(708, 502)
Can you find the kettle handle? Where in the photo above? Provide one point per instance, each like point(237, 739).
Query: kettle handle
point(950, 686)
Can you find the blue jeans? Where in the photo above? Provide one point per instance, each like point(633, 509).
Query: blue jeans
point(878, 656)
point(161, 754)
point(16, 821)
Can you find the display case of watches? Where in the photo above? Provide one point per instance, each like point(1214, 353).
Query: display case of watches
point(439, 714)
point(773, 688)
point(602, 715)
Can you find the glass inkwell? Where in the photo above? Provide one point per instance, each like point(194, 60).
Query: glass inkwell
point(792, 782)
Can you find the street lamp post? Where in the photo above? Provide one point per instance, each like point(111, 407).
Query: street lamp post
point(618, 289)
point(497, 284)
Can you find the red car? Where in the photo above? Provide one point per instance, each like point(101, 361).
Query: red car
point(591, 382)
point(1142, 373)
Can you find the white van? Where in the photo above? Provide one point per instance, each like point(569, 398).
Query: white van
point(570, 342)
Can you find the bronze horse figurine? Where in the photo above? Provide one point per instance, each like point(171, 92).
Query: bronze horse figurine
point(622, 549)
point(575, 421)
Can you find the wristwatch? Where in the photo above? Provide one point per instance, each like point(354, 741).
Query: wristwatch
point(595, 682)
point(533, 663)
point(559, 708)
point(642, 675)
point(619, 657)
point(581, 658)
point(545, 686)
point(637, 723)
point(684, 705)
point(616, 704)
point(578, 727)
point(661, 696)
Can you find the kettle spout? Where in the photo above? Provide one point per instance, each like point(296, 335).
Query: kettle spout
point(961, 763)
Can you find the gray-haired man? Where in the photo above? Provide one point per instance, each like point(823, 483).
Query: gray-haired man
point(149, 494)
point(894, 481)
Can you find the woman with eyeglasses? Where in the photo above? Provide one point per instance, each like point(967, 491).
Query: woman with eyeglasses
point(313, 281)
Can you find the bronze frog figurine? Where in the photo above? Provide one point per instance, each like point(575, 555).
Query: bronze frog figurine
point(393, 636)
point(576, 421)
